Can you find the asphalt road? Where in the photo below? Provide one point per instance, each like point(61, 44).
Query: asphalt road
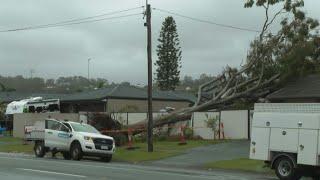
point(21, 167)
point(199, 156)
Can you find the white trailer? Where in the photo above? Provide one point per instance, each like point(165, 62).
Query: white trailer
point(34, 104)
point(286, 137)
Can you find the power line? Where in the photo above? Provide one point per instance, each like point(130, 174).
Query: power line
point(206, 21)
point(67, 24)
point(75, 21)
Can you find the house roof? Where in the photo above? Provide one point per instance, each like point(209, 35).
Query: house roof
point(128, 92)
point(118, 92)
point(306, 87)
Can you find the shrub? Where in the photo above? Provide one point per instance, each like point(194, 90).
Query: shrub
point(188, 133)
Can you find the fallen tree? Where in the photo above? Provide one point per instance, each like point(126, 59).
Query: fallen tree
point(271, 60)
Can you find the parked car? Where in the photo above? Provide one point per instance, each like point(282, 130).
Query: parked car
point(74, 140)
point(286, 137)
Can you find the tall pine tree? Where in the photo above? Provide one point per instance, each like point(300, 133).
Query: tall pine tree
point(169, 56)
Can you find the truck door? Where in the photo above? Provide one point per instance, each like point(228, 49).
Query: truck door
point(51, 133)
point(307, 149)
point(63, 137)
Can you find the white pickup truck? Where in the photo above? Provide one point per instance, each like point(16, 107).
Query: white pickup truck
point(286, 137)
point(74, 140)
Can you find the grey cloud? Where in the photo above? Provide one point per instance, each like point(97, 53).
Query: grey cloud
point(118, 47)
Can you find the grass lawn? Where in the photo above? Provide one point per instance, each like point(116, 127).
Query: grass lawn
point(240, 164)
point(162, 149)
point(14, 145)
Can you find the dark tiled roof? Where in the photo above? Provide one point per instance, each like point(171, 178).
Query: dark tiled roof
point(15, 96)
point(306, 87)
point(128, 92)
point(118, 92)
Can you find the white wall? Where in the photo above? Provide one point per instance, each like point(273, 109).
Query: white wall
point(235, 124)
point(136, 117)
point(28, 119)
point(200, 127)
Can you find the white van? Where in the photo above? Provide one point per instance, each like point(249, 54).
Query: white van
point(286, 137)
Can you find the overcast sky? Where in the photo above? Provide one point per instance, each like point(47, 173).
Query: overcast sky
point(118, 47)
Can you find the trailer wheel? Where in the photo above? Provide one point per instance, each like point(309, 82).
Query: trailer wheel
point(39, 149)
point(76, 151)
point(107, 158)
point(285, 170)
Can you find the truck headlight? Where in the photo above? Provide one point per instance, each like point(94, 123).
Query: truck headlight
point(87, 138)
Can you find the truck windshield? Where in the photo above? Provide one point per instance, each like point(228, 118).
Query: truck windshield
point(84, 128)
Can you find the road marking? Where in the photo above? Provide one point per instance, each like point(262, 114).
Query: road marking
point(51, 172)
point(134, 169)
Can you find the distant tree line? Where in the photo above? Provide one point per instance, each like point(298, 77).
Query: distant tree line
point(78, 83)
point(60, 85)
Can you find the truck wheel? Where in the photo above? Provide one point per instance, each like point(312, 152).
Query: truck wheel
point(285, 170)
point(316, 178)
point(76, 151)
point(107, 158)
point(39, 149)
point(66, 155)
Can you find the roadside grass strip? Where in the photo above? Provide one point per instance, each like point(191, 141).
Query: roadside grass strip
point(15, 145)
point(162, 149)
point(240, 164)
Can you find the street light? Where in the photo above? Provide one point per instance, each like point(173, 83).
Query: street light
point(89, 69)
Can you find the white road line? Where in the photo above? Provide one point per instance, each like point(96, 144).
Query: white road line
point(51, 172)
point(134, 169)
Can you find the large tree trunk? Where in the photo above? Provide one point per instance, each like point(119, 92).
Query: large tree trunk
point(253, 91)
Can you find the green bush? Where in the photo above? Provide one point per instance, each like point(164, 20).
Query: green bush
point(188, 133)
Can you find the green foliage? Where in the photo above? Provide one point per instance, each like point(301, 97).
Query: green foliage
point(293, 51)
point(188, 133)
point(60, 85)
point(169, 56)
point(212, 122)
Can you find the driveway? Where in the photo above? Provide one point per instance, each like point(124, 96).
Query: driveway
point(199, 156)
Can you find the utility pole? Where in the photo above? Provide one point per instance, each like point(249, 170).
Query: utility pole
point(149, 50)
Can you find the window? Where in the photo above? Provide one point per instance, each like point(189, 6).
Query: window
point(68, 125)
point(84, 128)
point(53, 125)
point(64, 128)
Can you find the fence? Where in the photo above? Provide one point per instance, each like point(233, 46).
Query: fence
point(236, 124)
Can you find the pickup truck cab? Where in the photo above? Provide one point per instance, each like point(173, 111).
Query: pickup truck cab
point(74, 140)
